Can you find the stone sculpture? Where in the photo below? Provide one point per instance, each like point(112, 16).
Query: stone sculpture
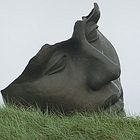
point(79, 74)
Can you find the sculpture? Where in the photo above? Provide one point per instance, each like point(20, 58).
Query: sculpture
point(82, 73)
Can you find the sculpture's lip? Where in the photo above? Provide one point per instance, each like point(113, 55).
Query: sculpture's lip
point(116, 106)
point(110, 101)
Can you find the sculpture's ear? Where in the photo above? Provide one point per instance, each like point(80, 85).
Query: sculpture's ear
point(94, 15)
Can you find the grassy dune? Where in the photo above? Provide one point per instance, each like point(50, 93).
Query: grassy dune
point(21, 124)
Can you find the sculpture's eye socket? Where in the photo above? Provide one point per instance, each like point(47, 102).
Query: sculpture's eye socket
point(56, 65)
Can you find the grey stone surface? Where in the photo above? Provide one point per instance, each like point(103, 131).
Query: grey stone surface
point(82, 73)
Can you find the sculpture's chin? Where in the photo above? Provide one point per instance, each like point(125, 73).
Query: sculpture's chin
point(1, 100)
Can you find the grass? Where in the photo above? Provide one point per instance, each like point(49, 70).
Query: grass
point(21, 124)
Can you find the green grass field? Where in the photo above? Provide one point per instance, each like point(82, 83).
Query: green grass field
point(21, 124)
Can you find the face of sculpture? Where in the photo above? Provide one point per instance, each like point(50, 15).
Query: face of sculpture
point(78, 74)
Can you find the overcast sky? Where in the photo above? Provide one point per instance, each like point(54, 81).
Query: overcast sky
point(28, 24)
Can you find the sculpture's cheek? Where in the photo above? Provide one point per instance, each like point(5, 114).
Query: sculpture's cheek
point(68, 79)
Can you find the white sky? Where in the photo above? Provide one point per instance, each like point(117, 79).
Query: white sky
point(27, 25)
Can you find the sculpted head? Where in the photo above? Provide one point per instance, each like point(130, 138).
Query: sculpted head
point(81, 73)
